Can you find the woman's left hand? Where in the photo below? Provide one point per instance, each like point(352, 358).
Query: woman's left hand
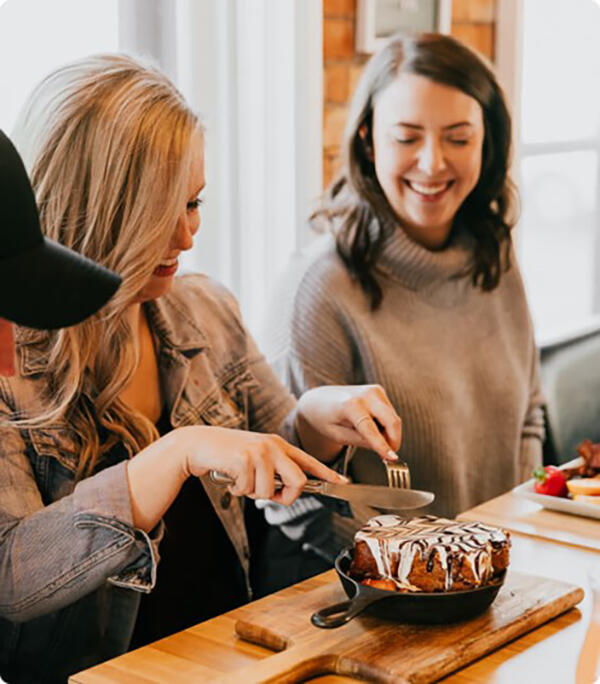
point(331, 416)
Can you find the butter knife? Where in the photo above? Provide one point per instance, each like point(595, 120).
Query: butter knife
point(370, 495)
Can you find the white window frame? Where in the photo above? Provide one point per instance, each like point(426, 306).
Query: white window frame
point(509, 54)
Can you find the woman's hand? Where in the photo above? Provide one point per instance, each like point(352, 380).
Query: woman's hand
point(361, 415)
point(253, 459)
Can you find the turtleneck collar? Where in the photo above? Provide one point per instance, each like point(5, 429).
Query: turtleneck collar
point(416, 266)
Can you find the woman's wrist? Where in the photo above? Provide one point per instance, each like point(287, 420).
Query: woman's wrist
point(312, 441)
point(180, 445)
point(155, 477)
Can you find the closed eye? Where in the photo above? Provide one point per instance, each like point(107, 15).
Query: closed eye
point(195, 203)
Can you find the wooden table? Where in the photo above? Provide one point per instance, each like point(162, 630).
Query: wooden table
point(526, 517)
point(548, 654)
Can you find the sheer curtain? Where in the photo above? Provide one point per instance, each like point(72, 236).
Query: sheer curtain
point(253, 70)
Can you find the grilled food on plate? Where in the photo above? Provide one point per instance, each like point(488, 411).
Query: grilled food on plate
point(581, 483)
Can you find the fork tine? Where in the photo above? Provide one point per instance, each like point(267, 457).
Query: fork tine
point(398, 475)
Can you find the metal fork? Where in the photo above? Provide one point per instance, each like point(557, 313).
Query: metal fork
point(398, 474)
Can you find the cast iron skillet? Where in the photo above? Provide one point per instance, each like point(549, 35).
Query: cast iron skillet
point(403, 607)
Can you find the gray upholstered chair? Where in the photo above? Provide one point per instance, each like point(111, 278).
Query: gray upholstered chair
point(571, 382)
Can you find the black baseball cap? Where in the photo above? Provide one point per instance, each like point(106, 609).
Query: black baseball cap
point(42, 283)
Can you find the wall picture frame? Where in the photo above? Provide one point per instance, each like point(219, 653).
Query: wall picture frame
point(377, 20)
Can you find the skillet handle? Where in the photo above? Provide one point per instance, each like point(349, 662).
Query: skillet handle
point(341, 613)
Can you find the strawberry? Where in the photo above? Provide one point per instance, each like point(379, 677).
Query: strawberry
point(550, 480)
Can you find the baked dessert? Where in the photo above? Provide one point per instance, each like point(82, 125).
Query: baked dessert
point(428, 554)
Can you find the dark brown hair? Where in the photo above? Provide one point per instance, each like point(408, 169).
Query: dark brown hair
point(355, 202)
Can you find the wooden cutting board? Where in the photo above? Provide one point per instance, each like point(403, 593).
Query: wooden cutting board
point(380, 651)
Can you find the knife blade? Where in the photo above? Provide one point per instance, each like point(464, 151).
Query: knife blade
point(376, 496)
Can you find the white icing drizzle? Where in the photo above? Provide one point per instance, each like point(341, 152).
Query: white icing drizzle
point(389, 536)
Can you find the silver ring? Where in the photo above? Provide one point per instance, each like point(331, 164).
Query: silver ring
point(361, 420)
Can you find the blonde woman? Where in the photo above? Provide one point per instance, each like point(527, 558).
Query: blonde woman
point(116, 160)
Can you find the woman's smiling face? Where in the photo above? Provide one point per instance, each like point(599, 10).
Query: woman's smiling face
point(188, 223)
point(427, 149)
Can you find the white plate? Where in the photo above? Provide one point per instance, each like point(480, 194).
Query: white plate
point(558, 503)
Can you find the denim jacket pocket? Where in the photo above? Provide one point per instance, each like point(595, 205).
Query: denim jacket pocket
point(56, 443)
point(54, 461)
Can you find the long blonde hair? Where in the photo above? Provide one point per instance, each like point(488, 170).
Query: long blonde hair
point(107, 141)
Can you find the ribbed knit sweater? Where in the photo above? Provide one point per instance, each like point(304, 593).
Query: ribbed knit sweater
point(459, 365)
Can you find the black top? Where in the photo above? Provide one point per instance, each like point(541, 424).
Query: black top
point(199, 575)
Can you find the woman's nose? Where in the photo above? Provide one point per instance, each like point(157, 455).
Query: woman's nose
point(431, 157)
point(187, 227)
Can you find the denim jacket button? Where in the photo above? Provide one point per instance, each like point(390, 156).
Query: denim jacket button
point(226, 500)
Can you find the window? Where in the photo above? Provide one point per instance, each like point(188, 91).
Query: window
point(558, 236)
point(36, 36)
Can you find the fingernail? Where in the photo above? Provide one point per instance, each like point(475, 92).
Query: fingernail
point(392, 455)
point(344, 479)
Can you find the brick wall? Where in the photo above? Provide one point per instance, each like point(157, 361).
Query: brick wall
point(472, 22)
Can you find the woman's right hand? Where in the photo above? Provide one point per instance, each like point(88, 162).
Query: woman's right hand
point(252, 459)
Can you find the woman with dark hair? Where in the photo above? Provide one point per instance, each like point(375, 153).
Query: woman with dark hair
point(416, 287)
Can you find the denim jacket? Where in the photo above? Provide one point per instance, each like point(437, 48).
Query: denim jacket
point(71, 562)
